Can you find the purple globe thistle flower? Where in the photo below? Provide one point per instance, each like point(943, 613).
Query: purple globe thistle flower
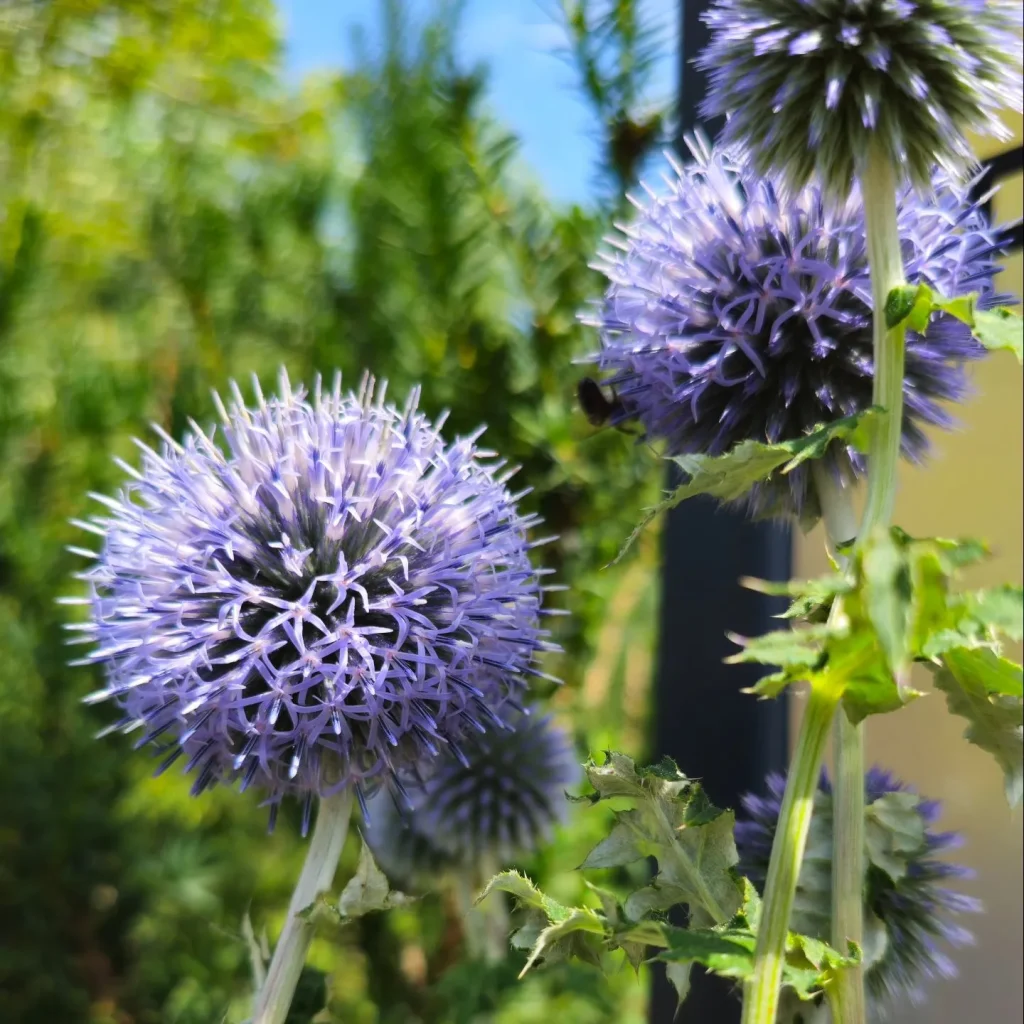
point(333, 597)
point(812, 87)
point(908, 918)
point(500, 803)
point(735, 314)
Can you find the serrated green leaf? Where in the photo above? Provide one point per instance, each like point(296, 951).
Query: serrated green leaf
point(1000, 329)
point(730, 476)
point(810, 965)
point(963, 307)
point(811, 599)
point(678, 973)
point(625, 843)
point(700, 865)
point(526, 893)
point(894, 832)
point(886, 595)
point(998, 610)
point(617, 776)
point(666, 769)
point(798, 650)
point(656, 897)
point(368, 889)
point(986, 690)
point(569, 937)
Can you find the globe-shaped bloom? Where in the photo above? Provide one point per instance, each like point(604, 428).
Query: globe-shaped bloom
point(907, 921)
point(734, 313)
point(331, 596)
point(500, 801)
point(811, 87)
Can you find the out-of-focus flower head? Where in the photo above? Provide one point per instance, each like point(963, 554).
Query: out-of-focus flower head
point(812, 85)
point(909, 913)
point(476, 815)
point(736, 313)
point(330, 595)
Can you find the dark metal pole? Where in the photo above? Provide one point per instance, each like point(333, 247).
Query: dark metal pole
point(715, 732)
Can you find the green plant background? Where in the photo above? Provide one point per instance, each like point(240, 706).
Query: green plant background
point(173, 214)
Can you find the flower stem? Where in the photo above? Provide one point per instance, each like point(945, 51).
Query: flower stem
point(761, 992)
point(847, 996)
point(317, 874)
point(878, 187)
point(485, 925)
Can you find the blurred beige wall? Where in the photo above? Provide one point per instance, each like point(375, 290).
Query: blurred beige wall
point(972, 486)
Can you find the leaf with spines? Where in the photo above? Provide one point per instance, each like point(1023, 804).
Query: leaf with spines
point(672, 821)
point(551, 931)
point(986, 689)
point(730, 476)
point(728, 950)
point(996, 329)
point(898, 606)
point(810, 600)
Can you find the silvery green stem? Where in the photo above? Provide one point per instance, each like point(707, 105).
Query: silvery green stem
point(848, 865)
point(848, 794)
point(316, 877)
point(837, 509)
point(761, 992)
point(878, 188)
point(486, 924)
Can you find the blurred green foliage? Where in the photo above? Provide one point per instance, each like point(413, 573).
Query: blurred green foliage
point(173, 214)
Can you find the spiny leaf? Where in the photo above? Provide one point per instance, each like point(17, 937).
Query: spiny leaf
point(678, 972)
point(730, 476)
point(625, 843)
point(811, 599)
point(700, 866)
point(986, 690)
point(809, 967)
point(522, 889)
point(562, 939)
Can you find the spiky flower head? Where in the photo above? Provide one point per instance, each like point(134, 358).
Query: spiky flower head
point(909, 913)
point(813, 85)
point(330, 595)
point(736, 313)
point(499, 801)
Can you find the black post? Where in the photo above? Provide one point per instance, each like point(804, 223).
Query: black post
point(715, 732)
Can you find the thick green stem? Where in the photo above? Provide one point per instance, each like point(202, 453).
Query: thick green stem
point(848, 1001)
point(847, 997)
point(878, 187)
point(317, 874)
point(761, 992)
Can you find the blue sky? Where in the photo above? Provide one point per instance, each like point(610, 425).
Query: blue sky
point(532, 89)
